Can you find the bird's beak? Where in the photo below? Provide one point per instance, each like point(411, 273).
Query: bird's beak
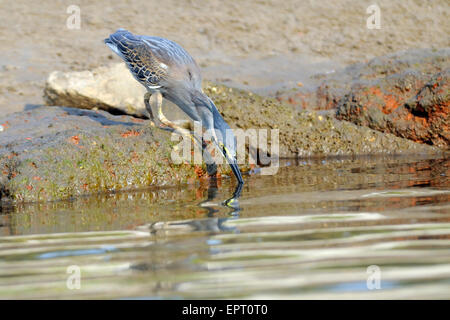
point(236, 172)
point(233, 164)
point(221, 126)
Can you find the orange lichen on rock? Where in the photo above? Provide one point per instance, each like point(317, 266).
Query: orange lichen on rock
point(390, 104)
point(130, 133)
point(413, 106)
point(74, 139)
point(199, 171)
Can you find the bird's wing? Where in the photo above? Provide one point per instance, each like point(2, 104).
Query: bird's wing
point(145, 63)
point(167, 51)
point(155, 62)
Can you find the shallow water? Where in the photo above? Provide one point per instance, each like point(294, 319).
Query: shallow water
point(311, 231)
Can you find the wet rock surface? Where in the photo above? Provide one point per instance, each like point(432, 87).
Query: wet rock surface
point(405, 93)
point(52, 153)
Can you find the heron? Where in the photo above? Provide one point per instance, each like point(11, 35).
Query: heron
point(168, 71)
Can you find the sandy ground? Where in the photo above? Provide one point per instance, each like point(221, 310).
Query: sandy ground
point(255, 44)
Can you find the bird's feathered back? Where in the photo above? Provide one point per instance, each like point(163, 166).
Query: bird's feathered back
point(150, 58)
point(166, 68)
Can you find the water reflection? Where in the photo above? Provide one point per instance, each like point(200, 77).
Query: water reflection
point(231, 203)
point(212, 204)
point(311, 231)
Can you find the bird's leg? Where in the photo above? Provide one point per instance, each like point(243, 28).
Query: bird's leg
point(148, 101)
point(164, 122)
point(148, 107)
point(167, 125)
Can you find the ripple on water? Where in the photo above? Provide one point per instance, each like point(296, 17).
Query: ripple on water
point(318, 229)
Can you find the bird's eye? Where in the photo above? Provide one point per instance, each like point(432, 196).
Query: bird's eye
point(224, 150)
point(190, 74)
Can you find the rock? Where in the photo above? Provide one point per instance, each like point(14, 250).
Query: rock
point(112, 89)
point(326, 90)
point(410, 105)
point(306, 133)
point(106, 88)
point(383, 94)
point(52, 153)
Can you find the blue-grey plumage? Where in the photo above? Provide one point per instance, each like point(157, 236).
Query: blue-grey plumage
point(163, 66)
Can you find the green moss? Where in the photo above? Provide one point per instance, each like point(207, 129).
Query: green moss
point(97, 164)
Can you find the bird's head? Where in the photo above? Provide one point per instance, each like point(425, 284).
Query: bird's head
point(221, 133)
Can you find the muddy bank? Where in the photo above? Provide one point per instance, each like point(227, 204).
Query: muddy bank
point(221, 36)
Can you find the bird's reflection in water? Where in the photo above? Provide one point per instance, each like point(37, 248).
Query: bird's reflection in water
point(213, 223)
point(231, 203)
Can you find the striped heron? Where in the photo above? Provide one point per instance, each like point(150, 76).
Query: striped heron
point(167, 71)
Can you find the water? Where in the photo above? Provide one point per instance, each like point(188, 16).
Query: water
point(311, 231)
